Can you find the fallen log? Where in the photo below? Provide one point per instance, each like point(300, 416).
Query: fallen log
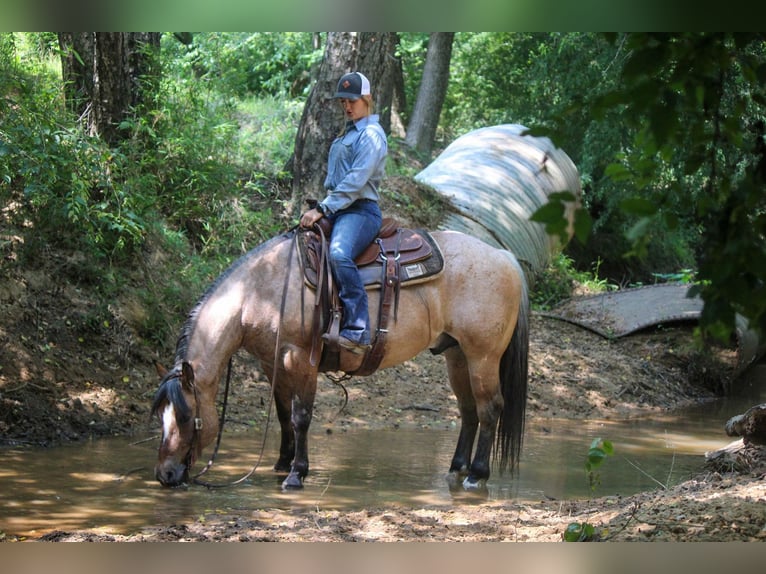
point(751, 425)
point(748, 454)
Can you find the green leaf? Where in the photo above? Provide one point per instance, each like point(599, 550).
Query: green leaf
point(583, 224)
point(562, 196)
point(617, 172)
point(595, 457)
point(595, 442)
point(638, 206)
point(579, 532)
point(549, 214)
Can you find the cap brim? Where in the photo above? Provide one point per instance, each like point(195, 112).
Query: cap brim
point(346, 95)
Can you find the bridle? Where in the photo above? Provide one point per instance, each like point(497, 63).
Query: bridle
point(198, 425)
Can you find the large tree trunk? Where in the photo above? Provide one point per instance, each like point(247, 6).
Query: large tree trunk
point(421, 130)
point(369, 53)
point(77, 70)
point(105, 75)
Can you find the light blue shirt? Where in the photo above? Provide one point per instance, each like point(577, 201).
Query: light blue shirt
point(356, 164)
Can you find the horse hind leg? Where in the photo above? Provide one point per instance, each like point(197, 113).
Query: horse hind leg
point(460, 381)
point(476, 387)
point(488, 411)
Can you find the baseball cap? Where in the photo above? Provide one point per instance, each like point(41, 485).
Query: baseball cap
point(353, 86)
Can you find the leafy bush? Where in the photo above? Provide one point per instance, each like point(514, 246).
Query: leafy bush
point(247, 64)
point(57, 180)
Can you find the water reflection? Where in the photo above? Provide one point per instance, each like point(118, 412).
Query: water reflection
point(108, 485)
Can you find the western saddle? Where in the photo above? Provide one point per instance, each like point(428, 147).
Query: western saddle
point(396, 258)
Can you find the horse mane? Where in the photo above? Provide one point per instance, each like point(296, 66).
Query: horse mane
point(182, 344)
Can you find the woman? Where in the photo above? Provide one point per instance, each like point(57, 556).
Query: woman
point(355, 168)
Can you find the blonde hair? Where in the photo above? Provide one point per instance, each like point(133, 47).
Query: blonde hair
point(370, 108)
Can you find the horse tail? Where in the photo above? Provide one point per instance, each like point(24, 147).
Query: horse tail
point(514, 365)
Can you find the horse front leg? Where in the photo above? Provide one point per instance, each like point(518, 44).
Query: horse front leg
point(287, 437)
point(297, 370)
point(283, 395)
point(301, 420)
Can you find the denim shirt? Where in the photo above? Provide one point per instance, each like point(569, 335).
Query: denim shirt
point(356, 164)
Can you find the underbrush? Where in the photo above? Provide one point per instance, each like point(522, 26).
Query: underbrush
point(145, 226)
point(561, 279)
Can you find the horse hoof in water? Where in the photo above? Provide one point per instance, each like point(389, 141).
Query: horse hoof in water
point(473, 483)
point(292, 482)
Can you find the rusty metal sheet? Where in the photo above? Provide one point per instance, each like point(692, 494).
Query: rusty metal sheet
point(619, 313)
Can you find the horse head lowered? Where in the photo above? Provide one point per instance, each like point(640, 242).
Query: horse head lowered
point(188, 424)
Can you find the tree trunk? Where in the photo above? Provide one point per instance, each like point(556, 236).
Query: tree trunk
point(105, 75)
point(377, 60)
point(421, 130)
point(399, 105)
point(369, 53)
point(77, 70)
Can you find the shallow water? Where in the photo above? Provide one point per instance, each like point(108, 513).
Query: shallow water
point(108, 485)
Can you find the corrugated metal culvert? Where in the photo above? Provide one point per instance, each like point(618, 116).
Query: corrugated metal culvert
point(496, 178)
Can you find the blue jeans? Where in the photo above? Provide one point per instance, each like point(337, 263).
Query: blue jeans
point(354, 229)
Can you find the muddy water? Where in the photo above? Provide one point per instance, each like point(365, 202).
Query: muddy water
point(107, 485)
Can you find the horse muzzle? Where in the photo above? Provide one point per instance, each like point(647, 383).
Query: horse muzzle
point(171, 473)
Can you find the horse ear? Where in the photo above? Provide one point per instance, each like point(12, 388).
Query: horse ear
point(161, 371)
point(187, 375)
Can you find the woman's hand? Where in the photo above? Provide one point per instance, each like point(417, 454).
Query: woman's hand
point(309, 218)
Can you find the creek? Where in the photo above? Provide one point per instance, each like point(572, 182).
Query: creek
point(107, 485)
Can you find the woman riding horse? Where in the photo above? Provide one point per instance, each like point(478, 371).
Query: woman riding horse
point(356, 167)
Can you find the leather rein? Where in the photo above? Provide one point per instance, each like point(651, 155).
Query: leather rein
point(198, 424)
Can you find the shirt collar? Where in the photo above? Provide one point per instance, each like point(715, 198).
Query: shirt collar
point(363, 122)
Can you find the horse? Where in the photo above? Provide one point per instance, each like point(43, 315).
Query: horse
point(475, 313)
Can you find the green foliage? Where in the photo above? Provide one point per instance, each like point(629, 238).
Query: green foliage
point(557, 281)
point(187, 181)
point(54, 176)
point(552, 215)
point(667, 131)
point(695, 102)
point(266, 134)
point(597, 453)
point(248, 64)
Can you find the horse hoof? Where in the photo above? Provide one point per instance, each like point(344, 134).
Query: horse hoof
point(473, 483)
point(292, 482)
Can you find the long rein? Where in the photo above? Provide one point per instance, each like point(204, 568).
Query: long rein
point(195, 479)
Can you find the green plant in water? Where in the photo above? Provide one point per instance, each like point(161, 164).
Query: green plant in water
point(599, 450)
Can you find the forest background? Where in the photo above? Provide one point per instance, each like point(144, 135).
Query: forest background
point(146, 157)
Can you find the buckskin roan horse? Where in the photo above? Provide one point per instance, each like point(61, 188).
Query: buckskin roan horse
point(475, 313)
